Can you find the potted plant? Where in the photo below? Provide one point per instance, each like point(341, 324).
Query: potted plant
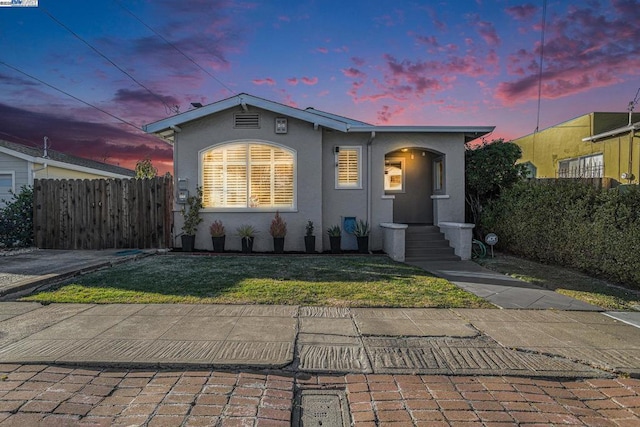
point(334, 238)
point(309, 238)
point(278, 230)
point(216, 229)
point(191, 214)
point(361, 231)
point(247, 233)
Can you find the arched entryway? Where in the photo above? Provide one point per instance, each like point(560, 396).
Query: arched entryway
point(411, 175)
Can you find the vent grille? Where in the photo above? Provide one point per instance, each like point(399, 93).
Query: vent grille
point(246, 120)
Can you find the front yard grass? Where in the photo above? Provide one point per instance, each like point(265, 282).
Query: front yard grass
point(565, 281)
point(345, 281)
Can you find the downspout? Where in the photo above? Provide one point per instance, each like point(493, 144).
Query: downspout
point(369, 163)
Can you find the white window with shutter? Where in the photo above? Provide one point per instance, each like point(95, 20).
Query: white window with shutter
point(348, 167)
point(246, 175)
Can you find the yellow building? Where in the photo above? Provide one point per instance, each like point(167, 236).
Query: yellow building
point(595, 145)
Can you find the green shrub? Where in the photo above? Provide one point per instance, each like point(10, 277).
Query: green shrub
point(16, 220)
point(571, 224)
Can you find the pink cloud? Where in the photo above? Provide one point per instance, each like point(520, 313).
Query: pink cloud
point(488, 33)
point(386, 113)
point(322, 50)
point(284, 18)
point(522, 12)
point(358, 61)
point(353, 73)
point(268, 81)
point(584, 50)
point(293, 81)
point(309, 80)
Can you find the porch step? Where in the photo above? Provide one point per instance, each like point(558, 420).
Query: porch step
point(427, 243)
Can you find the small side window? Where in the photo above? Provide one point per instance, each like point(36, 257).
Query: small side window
point(438, 174)
point(348, 167)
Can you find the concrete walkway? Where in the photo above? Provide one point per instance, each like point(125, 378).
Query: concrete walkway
point(502, 290)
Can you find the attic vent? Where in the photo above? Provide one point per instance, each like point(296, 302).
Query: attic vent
point(246, 120)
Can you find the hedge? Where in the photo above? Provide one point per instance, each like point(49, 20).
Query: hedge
point(571, 224)
point(16, 220)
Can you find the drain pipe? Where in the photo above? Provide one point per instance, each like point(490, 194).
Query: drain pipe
point(369, 163)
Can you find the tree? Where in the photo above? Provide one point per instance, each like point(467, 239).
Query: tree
point(489, 169)
point(145, 169)
point(16, 220)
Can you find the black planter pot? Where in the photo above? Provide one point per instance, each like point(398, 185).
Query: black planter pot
point(363, 244)
point(218, 243)
point(247, 245)
point(188, 242)
point(334, 242)
point(278, 245)
point(309, 244)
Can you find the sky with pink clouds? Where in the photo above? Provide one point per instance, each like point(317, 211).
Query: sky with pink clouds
point(401, 62)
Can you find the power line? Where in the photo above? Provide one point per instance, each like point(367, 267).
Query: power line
point(46, 12)
point(177, 48)
point(69, 95)
point(544, 24)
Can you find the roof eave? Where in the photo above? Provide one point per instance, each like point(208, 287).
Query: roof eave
point(165, 126)
point(615, 132)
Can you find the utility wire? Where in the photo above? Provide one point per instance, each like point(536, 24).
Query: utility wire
point(177, 48)
point(544, 24)
point(69, 95)
point(106, 58)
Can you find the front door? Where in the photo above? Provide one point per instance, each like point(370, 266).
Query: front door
point(409, 178)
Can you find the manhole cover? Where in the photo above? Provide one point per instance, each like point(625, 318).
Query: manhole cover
point(328, 408)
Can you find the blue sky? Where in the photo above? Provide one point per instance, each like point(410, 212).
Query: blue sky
point(468, 62)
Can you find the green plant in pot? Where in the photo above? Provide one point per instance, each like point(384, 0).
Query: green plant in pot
point(278, 231)
point(191, 213)
point(361, 231)
point(216, 229)
point(247, 233)
point(335, 237)
point(309, 238)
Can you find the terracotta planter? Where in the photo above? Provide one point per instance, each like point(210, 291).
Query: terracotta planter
point(218, 243)
point(188, 242)
point(334, 242)
point(278, 245)
point(363, 244)
point(247, 245)
point(309, 244)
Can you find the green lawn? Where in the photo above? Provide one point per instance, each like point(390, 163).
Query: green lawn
point(346, 281)
point(565, 281)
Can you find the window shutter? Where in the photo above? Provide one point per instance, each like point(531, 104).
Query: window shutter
point(348, 167)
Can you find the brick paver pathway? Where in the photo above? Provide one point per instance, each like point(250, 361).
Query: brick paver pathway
point(32, 395)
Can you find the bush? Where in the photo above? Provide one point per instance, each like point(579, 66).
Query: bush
point(16, 220)
point(571, 224)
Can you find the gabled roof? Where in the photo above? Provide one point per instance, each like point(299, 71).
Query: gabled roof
point(166, 128)
point(57, 159)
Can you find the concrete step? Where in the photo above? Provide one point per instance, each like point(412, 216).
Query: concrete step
point(427, 243)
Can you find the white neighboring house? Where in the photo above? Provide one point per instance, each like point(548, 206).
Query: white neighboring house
point(21, 165)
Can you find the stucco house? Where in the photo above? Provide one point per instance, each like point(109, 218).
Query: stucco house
point(594, 145)
point(21, 165)
point(253, 157)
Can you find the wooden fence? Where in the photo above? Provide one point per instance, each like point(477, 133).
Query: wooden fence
point(103, 213)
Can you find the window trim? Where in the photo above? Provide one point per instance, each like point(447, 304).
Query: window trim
point(12, 174)
point(231, 209)
point(439, 175)
point(582, 171)
point(358, 185)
